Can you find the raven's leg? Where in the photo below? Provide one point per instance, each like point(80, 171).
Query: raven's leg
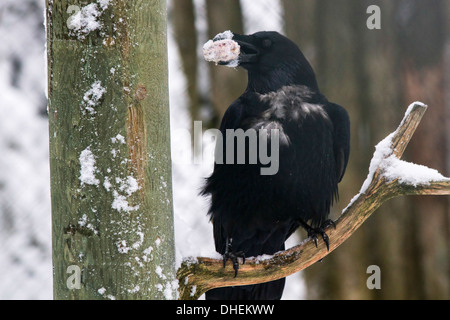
point(313, 232)
point(233, 256)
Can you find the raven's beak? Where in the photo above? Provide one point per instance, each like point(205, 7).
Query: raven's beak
point(249, 52)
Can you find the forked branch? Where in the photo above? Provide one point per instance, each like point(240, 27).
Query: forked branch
point(388, 177)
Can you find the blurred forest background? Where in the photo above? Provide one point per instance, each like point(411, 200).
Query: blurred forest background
point(374, 74)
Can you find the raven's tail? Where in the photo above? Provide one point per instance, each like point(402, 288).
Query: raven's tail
point(265, 291)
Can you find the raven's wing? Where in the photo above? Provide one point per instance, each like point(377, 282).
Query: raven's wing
point(231, 120)
point(341, 126)
point(232, 117)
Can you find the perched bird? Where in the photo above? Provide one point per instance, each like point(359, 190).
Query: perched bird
point(254, 213)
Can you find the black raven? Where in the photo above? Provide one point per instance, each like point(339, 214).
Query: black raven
point(253, 213)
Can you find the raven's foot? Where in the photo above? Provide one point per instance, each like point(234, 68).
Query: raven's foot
point(313, 232)
point(233, 256)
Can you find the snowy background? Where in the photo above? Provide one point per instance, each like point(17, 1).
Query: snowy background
point(25, 229)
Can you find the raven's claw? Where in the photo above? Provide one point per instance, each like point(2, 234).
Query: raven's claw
point(313, 232)
point(233, 256)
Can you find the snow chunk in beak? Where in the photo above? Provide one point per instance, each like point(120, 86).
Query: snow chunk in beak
point(222, 50)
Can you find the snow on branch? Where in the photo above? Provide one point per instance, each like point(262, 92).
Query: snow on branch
point(388, 177)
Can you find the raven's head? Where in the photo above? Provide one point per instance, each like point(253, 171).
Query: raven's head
point(273, 61)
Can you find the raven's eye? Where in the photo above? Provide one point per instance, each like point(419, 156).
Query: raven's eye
point(267, 43)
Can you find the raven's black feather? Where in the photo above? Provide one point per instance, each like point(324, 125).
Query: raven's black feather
point(259, 212)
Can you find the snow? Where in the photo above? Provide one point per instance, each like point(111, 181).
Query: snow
point(263, 258)
point(135, 289)
point(409, 173)
point(226, 35)
point(382, 150)
point(88, 168)
point(107, 184)
point(86, 19)
point(128, 185)
point(120, 203)
point(104, 4)
point(411, 107)
point(193, 290)
point(92, 97)
point(123, 188)
point(169, 289)
point(84, 223)
point(101, 291)
point(139, 243)
point(158, 271)
point(118, 139)
point(122, 246)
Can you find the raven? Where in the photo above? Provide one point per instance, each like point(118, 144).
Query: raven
point(254, 214)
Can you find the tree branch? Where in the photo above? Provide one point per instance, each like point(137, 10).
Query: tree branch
point(388, 177)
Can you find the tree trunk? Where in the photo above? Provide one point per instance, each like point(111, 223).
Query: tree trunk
point(299, 27)
point(183, 13)
point(110, 160)
point(226, 84)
